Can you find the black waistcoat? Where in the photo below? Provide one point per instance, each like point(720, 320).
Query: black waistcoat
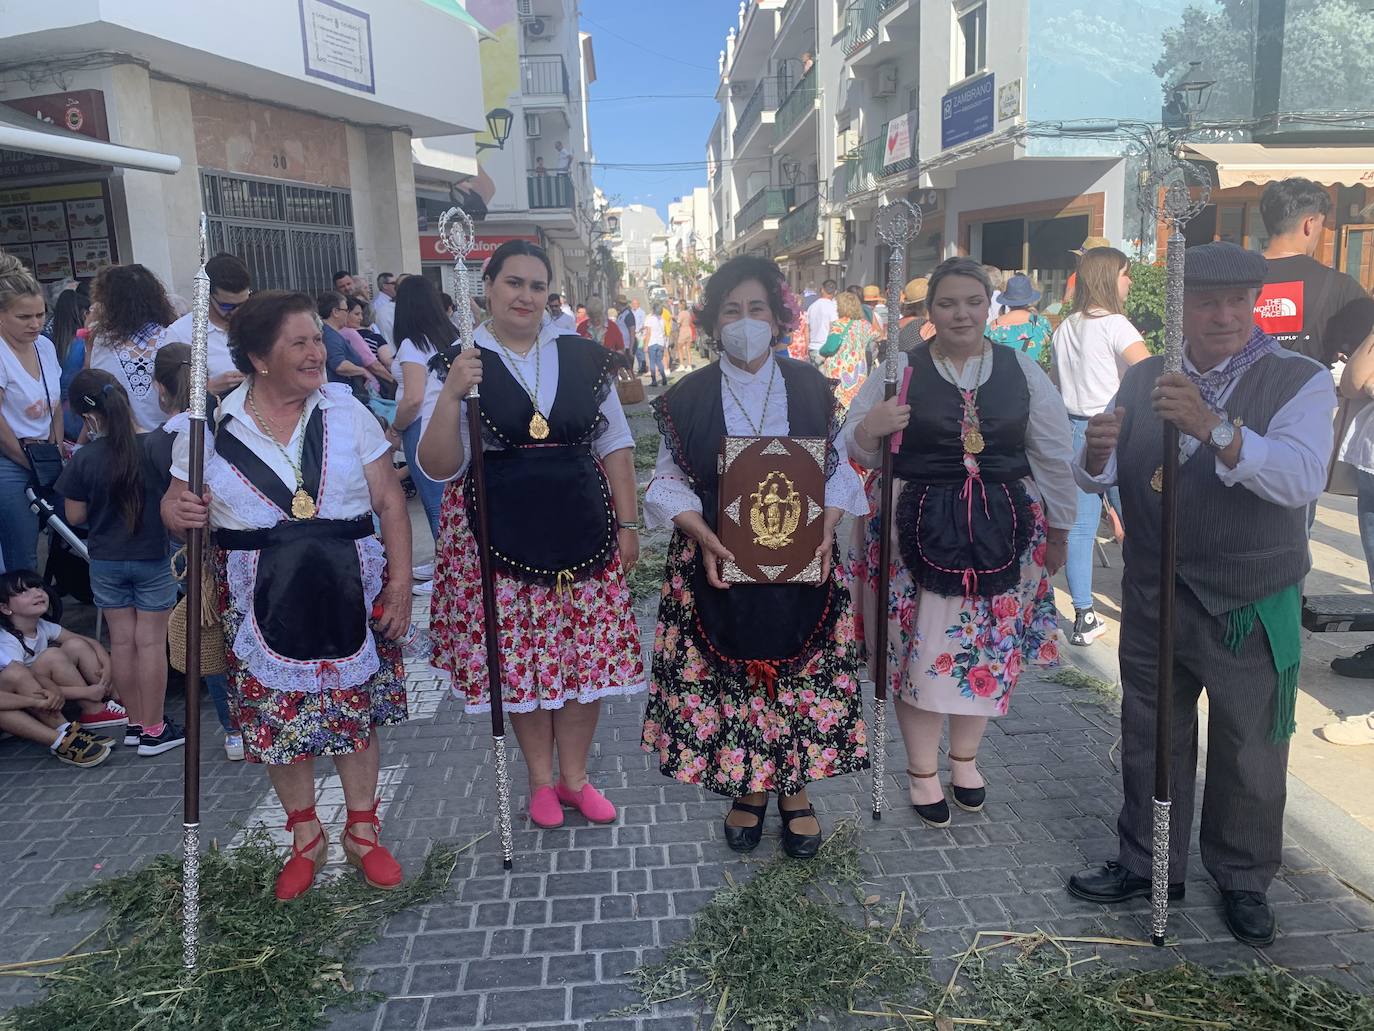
point(778, 623)
point(549, 500)
point(932, 449)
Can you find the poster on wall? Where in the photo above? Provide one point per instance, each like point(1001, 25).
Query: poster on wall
point(23, 252)
point(86, 219)
point(337, 41)
point(90, 256)
point(899, 139)
point(47, 222)
point(14, 226)
point(52, 261)
point(966, 111)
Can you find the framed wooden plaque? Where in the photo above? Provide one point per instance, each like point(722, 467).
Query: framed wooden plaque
point(772, 508)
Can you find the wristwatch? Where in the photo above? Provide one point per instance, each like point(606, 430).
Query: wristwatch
point(1221, 436)
point(635, 525)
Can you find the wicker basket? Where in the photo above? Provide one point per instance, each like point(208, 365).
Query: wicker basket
point(213, 660)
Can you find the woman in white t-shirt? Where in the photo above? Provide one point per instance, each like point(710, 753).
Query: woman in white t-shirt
point(30, 405)
point(1092, 349)
point(421, 326)
point(134, 316)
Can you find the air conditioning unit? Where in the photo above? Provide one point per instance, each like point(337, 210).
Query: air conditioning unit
point(536, 28)
point(533, 126)
point(524, 8)
point(886, 84)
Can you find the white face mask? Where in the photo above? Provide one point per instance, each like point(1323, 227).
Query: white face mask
point(746, 340)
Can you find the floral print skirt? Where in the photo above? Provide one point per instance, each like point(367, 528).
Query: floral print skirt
point(715, 728)
point(284, 727)
point(574, 645)
point(961, 656)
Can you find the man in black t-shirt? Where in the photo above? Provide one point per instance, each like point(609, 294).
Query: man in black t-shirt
point(1306, 306)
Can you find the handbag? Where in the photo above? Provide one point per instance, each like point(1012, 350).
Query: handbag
point(1342, 477)
point(832, 343)
point(45, 463)
point(629, 388)
point(213, 658)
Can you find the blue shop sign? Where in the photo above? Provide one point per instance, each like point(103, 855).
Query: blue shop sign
point(967, 112)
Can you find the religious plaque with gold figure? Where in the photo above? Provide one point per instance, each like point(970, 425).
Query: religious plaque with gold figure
point(772, 508)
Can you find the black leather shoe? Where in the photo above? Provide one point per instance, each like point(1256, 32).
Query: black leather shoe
point(746, 839)
point(1248, 917)
point(932, 814)
point(970, 800)
point(1114, 883)
point(798, 846)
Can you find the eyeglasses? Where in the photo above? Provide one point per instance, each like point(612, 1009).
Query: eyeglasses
point(343, 309)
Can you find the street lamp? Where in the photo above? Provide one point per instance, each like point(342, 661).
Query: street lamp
point(499, 122)
point(791, 170)
point(1187, 98)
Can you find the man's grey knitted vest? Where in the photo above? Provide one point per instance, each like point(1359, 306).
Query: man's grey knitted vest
point(1234, 548)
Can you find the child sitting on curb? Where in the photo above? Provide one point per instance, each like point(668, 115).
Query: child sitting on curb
point(30, 711)
point(75, 667)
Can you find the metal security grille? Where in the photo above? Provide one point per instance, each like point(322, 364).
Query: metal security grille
point(291, 237)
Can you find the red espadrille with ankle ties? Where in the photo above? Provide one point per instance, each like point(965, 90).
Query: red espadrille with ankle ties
point(298, 874)
point(378, 866)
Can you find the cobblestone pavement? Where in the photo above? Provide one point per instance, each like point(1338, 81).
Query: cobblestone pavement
point(550, 944)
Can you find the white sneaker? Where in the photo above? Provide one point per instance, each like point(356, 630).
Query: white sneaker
point(1357, 730)
point(423, 589)
point(233, 747)
point(425, 572)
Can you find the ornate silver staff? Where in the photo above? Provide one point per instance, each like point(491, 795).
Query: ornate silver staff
point(898, 225)
point(195, 565)
point(455, 228)
point(1175, 194)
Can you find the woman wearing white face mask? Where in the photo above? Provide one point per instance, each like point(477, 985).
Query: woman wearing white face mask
point(755, 689)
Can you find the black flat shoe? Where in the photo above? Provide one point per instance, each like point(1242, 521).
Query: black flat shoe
point(746, 839)
point(970, 800)
point(1248, 917)
point(933, 814)
point(798, 846)
point(1113, 883)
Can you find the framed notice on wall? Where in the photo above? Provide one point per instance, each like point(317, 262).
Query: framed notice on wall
point(337, 42)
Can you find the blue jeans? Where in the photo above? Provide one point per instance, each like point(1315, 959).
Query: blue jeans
point(656, 372)
point(1364, 512)
point(218, 688)
point(431, 493)
point(143, 584)
point(1078, 566)
point(18, 525)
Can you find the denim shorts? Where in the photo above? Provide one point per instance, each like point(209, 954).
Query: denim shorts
point(143, 584)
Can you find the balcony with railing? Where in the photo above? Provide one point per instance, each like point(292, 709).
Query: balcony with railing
point(800, 226)
point(544, 76)
point(769, 202)
point(720, 239)
point(863, 167)
point(800, 100)
point(764, 98)
point(860, 25)
point(552, 190)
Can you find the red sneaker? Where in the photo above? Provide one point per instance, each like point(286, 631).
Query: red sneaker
point(113, 715)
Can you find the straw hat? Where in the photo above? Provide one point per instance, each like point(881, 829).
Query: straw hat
point(872, 293)
point(1091, 243)
point(915, 292)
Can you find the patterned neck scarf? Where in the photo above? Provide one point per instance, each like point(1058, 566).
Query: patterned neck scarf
point(1214, 383)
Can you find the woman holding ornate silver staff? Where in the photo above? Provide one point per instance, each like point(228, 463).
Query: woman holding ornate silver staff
point(755, 686)
point(563, 528)
point(986, 496)
point(312, 602)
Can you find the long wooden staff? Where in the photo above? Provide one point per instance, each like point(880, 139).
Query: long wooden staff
point(195, 565)
point(898, 224)
point(455, 227)
point(1175, 204)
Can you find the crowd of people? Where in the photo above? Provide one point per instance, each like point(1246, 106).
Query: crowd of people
point(1008, 430)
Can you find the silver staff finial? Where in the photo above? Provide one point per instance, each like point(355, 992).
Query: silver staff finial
point(200, 327)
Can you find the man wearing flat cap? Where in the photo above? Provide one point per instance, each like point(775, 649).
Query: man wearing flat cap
point(1254, 425)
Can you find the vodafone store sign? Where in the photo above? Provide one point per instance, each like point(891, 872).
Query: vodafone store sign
point(433, 248)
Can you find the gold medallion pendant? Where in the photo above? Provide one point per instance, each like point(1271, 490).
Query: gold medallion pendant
point(973, 442)
point(1157, 480)
point(539, 426)
point(302, 505)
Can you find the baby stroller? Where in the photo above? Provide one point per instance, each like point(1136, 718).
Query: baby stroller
point(67, 571)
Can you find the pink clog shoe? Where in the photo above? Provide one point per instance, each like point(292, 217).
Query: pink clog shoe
point(591, 803)
point(546, 809)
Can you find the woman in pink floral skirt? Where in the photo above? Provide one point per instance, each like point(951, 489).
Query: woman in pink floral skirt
point(564, 533)
point(985, 498)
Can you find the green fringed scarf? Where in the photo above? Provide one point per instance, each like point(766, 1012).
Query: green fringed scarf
point(1281, 616)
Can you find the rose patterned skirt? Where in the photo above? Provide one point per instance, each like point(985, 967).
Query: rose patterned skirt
point(733, 737)
point(574, 645)
point(283, 727)
point(961, 656)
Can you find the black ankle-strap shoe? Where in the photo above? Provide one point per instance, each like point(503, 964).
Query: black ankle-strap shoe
point(746, 839)
point(932, 814)
point(798, 846)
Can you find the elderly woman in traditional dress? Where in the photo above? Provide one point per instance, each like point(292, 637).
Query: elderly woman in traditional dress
point(564, 533)
point(985, 498)
point(312, 601)
point(755, 687)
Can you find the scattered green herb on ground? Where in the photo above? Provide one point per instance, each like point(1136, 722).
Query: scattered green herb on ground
point(646, 578)
point(1103, 691)
point(264, 965)
point(646, 452)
